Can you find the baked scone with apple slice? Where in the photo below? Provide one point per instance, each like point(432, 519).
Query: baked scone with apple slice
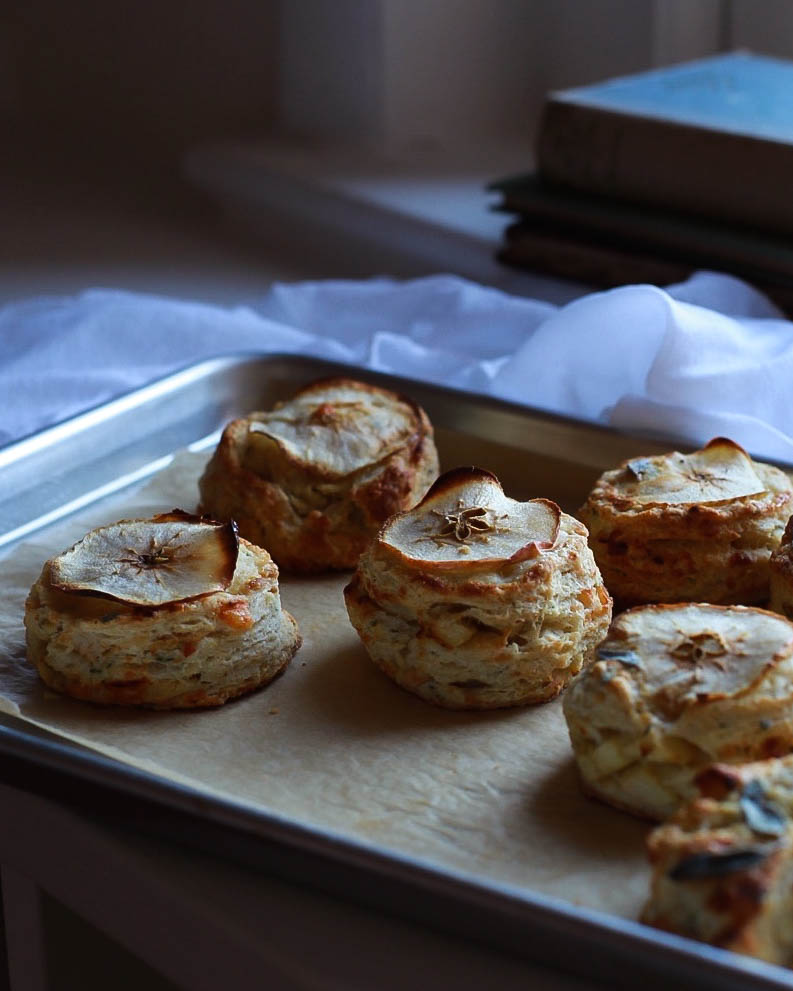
point(313, 479)
point(673, 689)
point(174, 612)
point(697, 527)
point(723, 865)
point(473, 600)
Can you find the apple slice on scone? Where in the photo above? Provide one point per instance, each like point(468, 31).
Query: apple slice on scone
point(721, 470)
point(170, 558)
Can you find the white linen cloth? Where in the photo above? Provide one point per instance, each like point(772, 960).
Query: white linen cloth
point(707, 357)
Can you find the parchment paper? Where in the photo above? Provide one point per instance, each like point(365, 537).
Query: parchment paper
point(333, 743)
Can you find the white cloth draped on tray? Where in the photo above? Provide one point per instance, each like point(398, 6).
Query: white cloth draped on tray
point(707, 357)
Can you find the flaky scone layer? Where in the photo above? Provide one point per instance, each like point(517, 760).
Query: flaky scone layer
point(673, 689)
point(723, 865)
point(313, 479)
point(511, 635)
point(688, 551)
point(781, 568)
point(190, 654)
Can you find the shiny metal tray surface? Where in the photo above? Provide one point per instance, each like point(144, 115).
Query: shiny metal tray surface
point(137, 435)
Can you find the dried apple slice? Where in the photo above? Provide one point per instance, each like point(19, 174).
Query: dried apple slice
point(694, 652)
point(171, 558)
point(466, 519)
point(334, 429)
point(722, 470)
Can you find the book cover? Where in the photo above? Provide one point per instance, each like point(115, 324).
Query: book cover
point(713, 137)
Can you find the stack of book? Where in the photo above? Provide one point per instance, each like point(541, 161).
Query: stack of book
point(647, 178)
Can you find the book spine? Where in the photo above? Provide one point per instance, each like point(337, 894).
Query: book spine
point(705, 243)
point(605, 265)
point(588, 262)
point(662, 163)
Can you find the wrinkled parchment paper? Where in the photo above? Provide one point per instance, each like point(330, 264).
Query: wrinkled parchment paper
point(332, 743)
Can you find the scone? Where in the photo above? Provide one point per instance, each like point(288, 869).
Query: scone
point(673, 689)
point(688, 527)
point(473, 600)
point(313, 479)
point(174, 612)
point(723, 866)
point(781, 567)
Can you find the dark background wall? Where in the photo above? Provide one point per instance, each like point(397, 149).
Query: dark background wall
point(95, 83)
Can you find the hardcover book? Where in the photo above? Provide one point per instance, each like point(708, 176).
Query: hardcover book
point(744, 251)
point(712, 137)
point(605, 263)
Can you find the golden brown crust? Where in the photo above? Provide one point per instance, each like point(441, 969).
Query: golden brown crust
point(781, 568)
point(723, 865)
point(181, 655)
point(309, 511)
point(666, 551)
point(144, 692)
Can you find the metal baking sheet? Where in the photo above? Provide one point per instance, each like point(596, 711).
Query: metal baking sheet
point(533, 453)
